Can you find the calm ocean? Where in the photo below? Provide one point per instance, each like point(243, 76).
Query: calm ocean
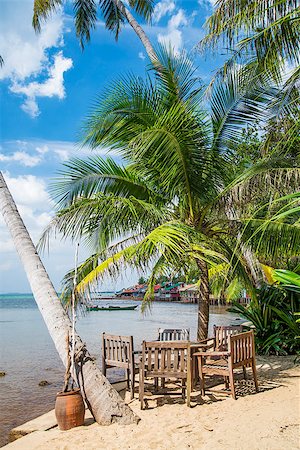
point(27, 354)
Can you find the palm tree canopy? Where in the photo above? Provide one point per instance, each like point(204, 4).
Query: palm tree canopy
point(168, 206)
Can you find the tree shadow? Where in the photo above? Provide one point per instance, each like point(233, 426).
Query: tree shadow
point(272, 373)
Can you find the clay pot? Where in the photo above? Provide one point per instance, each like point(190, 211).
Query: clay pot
point(69, 409)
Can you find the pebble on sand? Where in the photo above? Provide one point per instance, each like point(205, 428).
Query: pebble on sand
point(44, 383)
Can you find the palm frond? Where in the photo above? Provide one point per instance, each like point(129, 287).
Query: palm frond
point(272, 238)
point(85, 12)
point(269, 28)
point(103, 219)
point(42, 10)
point(113, 17)
point(236, 102)
point(95, 175)
point(286, 277)
point(168, 239)
point(143, 7)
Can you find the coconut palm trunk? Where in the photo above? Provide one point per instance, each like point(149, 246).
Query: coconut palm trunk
point(203, 301)
point(138, 29)
point(103, 401)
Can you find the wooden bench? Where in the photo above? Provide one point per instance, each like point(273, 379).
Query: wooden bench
point(118, 351)
point(241, 353)
point(166, 360)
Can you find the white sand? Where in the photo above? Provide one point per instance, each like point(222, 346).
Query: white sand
point(267, 420)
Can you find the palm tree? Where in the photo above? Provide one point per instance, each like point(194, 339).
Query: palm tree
point(172, 206)
point(115, 14)
point(103, 401)
point(268, 31)
point(264, 35)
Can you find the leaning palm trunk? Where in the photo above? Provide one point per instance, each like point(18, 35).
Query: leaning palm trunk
point(138, 29)
point(203, 301)
point(103, 401)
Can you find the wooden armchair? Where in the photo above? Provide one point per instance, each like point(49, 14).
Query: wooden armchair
point(166, 360)
point(118, 351)
point(219, 342)
point(173, 334)
point(241, 353)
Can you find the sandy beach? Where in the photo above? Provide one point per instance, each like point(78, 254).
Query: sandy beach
point(267, 420)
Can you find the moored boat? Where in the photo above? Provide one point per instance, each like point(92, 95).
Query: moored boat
point(111, 308)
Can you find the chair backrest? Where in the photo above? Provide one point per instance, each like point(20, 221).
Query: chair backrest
point(173, 334)
point(221, 335)
point(242, 348)
point(117, 351)
point(170, 359)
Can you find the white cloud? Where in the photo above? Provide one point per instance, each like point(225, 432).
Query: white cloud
point(173, 37)
point(29, 191)
point(36, 209)
point(63, 155)
point(43, 149)
point(43, 153)
point(27, 54)
point(51, 87)
point(24, 52)
point(161, 9)
point(30, 106)
point(25, 153)
point(34, 204)
point(142, 56)
point(23, 158)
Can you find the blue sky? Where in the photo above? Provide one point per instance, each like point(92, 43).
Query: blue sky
point(47, 88)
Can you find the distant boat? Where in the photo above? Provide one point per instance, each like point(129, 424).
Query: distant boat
point(111, 308)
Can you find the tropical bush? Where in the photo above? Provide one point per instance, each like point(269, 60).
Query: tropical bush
point(273, 313)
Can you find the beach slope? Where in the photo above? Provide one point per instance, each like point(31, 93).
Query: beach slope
point(267, 420)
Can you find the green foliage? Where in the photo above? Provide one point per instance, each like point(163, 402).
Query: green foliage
point(267, 31)
point(248, 149)
point(85, 14)
point(273, 315)
point(263, 37)
point(42, 9)
point(142, 280)
point(287, 279)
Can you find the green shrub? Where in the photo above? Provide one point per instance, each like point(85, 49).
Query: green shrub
point(273, 313)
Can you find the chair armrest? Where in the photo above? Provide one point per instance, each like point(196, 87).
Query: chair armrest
point(203, 341)
point(202, 345)
point(207, 354)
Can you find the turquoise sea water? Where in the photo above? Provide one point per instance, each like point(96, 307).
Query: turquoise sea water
point(27, 354)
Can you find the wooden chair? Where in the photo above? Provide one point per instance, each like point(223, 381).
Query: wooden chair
point(173, 334)
point(166, 360)
point(219, 342)
point(118, 351)
point(241, 353)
